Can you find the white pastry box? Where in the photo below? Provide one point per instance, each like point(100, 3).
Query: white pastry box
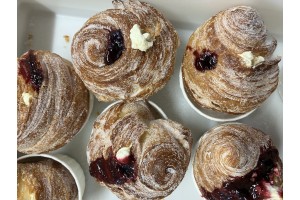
point(50, 25)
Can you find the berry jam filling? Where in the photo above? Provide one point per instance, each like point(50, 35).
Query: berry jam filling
point(115, 47)
point(111, 171)
point(31, 71)
point(206, 60)
point(252, 186)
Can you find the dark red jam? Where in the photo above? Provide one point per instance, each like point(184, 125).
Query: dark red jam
point(31, 71)
point(206, 60)
point(111, 171)
point(252, 186)
point(115, 47)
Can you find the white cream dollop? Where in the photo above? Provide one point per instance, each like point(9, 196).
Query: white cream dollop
point(123, 153)
point(251, 60)
point(139, 40)
point(274, 193)
point(26, 98)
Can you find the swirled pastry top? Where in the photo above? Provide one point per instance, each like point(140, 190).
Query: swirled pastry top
point(53, 102)
point(45, 180)
point(236, 161)
point(227, 64)
point(103, 56)
point(136, 154)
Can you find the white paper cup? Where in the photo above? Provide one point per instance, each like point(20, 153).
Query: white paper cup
point(91, 105)
point(158, 109)
point(280, 84)
point(155, 106)
point(207, 113)
point(193, 160)
point(69, 163)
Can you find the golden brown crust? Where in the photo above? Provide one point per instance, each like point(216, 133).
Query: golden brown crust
point(161, 148)
point(55, 112)
point(230, 157)
point(136, 74)
point(45, 180)
point(231, 87)
point(225, 152)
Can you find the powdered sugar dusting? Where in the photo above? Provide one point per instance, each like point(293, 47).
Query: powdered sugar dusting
point(58, 112)
point(232, 87)
point(150, 71)
point(234, 150)
point(162, 148)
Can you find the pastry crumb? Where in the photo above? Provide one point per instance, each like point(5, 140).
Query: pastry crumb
point(28, 42)
point(29, 36)
point(67, 38)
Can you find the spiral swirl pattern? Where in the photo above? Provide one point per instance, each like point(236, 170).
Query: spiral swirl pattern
point(231, 86)
point(160, 147)
point(226, 152)
point(135, 75)
point(55, 112)
point(241, 28)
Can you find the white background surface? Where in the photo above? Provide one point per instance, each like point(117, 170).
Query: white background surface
point(48, 21)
